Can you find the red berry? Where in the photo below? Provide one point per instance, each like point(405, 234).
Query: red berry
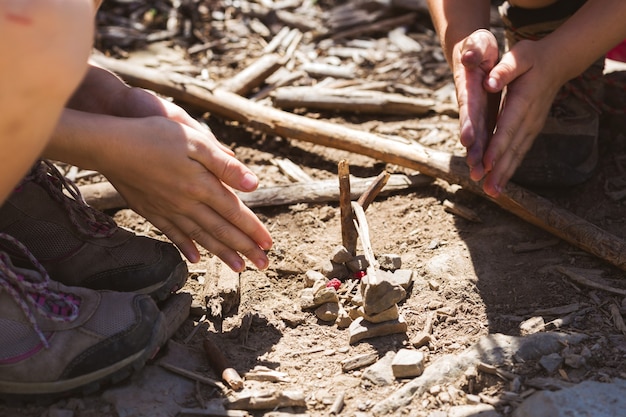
point(359, 274)
point(335, 283)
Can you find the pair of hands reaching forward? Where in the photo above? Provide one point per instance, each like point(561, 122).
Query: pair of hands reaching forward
point(496, 132)
point(167, 166)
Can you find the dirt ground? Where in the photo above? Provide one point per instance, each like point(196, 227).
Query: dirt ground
point(477, 277)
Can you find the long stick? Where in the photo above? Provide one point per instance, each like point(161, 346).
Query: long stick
point(515, 199)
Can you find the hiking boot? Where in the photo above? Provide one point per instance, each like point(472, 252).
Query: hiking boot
point(82, 247)
point(59, 340)
point(565, 152)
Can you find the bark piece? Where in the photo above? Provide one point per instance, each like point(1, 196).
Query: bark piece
point(222, 288)
point(359, 361)
point(267, 400)
point(357, 101)
point(253, 75)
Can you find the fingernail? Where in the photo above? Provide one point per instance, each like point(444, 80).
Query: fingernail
point(249, 181)
point(237, 266)
point(261, 263)
point(492, 83)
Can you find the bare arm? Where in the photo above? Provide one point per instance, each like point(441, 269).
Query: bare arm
point(534, 71)
point(168, 167)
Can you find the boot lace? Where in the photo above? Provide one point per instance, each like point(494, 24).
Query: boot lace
point(86, 219)
point(32, 293)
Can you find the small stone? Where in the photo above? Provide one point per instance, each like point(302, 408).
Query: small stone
point(325, 295)
point(389, 261)
point(382, 296)
point(421, 339)
point(332, 269)
point(361, 329)
point(435, 389)
point(327, 312)
point(551, 362)
point(391, 313)
point(292, 320)
point(307, 299)
point(408, 363)
point(319, 285)
point(575, 361)
point(403, 277)
point(433, 285)
point(311, 276)
point(341, 255)
point(358, 263)
point(531, 326)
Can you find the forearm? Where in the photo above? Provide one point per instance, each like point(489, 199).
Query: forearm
point(454, 20)
point(585, 37)
point(103, 92)
point(87, 140)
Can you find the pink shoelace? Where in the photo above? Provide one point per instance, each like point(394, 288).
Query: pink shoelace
point(32, 293)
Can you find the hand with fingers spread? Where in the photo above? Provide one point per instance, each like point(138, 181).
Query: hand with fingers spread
point(168, 167)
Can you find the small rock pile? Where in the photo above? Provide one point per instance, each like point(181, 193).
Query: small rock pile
point(353, 294)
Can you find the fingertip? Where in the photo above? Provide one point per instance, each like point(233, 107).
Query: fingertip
point(249, 182)
point(192, 256)
point(492, 84)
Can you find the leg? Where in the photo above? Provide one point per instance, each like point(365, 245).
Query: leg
point(44, 45)
point(532, 4)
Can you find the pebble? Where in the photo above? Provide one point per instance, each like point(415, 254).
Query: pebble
point(332, 269)
point(551, 362)
point(408, 363)
point(311, 276)
point(327, 312)
point(389, 261)
point(341, 255)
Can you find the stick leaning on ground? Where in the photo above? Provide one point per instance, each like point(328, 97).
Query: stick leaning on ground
point(515, 199)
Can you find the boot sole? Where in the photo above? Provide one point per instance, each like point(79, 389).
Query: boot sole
point(173, 283)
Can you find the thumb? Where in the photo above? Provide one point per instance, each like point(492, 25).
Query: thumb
point(510, 67)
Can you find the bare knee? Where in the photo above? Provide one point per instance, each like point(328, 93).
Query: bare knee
point(46, 41)
point(43, 56)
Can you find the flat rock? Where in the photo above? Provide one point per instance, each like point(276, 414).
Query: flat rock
point(361, 329)
point(382, 295)
point(408, 363)
point(381, 373)
point(589, 398)
point(391, 313)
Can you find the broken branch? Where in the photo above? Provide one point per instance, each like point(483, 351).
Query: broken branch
point(525, 204)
